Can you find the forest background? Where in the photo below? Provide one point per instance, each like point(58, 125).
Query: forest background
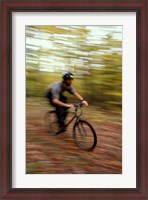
point(92, 53)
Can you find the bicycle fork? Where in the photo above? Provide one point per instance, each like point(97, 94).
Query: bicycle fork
point(81, 129)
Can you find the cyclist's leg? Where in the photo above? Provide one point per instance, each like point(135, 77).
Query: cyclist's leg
point(64, 110)
point(61, 111)
point(60, 115)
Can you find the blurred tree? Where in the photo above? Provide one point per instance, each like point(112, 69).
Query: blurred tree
point(96, 62)
point(105, 83)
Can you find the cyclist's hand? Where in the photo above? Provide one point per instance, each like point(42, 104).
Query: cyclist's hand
point(85, 103)
point(70, 106)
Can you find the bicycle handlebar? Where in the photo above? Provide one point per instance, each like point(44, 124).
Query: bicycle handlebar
point(78, 105)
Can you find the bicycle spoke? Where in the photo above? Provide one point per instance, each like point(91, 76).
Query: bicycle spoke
point(51, 122)
point(85, 136)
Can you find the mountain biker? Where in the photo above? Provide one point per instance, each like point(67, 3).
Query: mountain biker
point(55, 95)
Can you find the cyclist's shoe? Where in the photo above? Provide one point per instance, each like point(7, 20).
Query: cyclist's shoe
point(62, 128)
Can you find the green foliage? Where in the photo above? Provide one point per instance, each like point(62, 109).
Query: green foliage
point(98, 66)
point(38, 81)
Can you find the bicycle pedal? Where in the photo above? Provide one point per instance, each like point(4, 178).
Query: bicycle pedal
point(61, 131)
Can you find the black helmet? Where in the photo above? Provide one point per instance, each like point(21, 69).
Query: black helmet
point(68, 75)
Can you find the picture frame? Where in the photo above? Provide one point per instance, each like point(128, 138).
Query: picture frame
point(141, 9)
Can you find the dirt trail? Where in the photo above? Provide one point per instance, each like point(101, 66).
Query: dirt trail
point(48, 154)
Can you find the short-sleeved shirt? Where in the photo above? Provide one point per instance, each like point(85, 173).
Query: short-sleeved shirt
point(56, 89)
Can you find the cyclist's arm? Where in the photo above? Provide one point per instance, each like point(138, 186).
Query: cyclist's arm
point(78, 96)
point(60, 103)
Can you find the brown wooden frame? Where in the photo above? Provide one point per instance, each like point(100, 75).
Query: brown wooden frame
point(141, 9)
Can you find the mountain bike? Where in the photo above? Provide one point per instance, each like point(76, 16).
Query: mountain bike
point(83, 133)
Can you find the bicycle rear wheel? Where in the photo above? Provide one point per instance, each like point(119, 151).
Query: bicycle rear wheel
point(51, 122)
point(84, 135)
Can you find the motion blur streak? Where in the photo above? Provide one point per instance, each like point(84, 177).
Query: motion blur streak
point(94, 55)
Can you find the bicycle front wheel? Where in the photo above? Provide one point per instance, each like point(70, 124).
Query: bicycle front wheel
point(84, 135)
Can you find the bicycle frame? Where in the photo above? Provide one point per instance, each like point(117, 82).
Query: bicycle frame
point(81, 128)
point(77, 116)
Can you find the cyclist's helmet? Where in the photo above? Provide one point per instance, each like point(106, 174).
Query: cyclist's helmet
point(68, 75)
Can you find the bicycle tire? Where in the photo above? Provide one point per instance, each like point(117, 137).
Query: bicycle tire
point(84, 135)
point(51, 122)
